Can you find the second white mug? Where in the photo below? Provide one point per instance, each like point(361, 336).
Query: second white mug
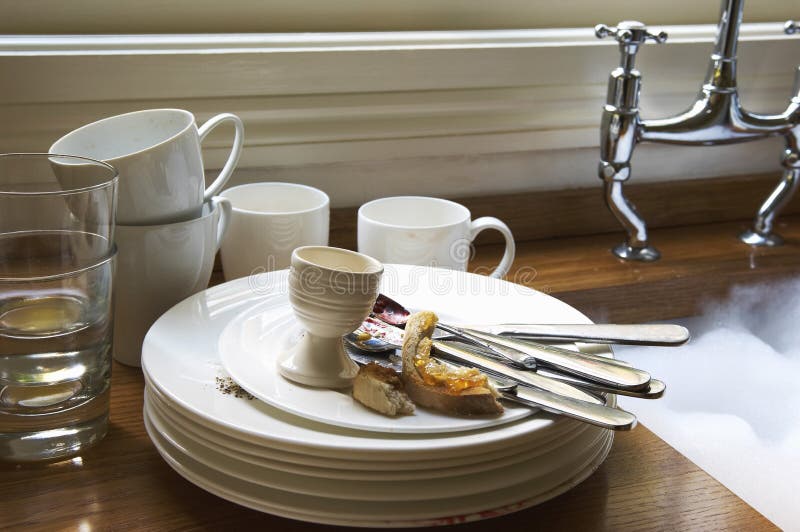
point(268, 222)
point(426, 232)
point(157, 154)
point(159, 266)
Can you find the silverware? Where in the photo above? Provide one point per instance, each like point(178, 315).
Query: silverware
point(595, 414)
point(654, 390)
point(462, 353)
point(378, 337)
point(394, 313)
point(599, 415)
point(393, 340)
point(593, 368)
point(637, 334)
point(528, 355)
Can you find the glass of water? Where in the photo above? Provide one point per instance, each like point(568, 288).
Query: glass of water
point(56, 275)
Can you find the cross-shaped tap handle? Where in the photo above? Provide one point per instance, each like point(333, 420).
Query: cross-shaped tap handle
point(629, 32)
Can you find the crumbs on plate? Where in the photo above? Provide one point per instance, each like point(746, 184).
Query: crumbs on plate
point(228, 386)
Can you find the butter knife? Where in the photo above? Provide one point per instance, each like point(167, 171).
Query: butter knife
point(591, 368)
point(635, 334)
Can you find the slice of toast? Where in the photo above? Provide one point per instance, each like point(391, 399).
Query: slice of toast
point(381, 389)
point(432, 385)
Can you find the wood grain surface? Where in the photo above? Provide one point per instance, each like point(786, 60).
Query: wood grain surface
point(582, 211)
point(699, 264)
point(644, 484)
point(122, 483)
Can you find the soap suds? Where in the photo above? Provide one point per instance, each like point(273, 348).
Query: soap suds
point(732, 403)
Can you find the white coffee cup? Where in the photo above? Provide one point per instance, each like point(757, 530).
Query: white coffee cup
point(269, 221)
point(159, 266)
point(157, 154)
point(426, 232)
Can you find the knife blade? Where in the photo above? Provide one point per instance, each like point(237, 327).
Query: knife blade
point(461, 353)
point(594, 369)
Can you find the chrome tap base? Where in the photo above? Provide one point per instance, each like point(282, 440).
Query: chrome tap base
point(756, 239)
point(642, 254)
point(717, 117)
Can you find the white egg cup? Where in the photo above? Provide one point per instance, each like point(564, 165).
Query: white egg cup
point(332, 291)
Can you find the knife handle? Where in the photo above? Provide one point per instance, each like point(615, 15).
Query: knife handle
point(636, 334)
point(655, 389)
point(600, 415)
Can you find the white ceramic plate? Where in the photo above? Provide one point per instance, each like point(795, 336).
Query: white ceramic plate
point(353, 460)
point(253, 343)
point(381, 489)
point(377, 513)
point(347, 469)
point(180, 359)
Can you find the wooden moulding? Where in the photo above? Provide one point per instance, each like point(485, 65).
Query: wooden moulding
point(575, 212)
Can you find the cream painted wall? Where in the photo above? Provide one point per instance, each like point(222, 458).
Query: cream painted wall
point(271, 16)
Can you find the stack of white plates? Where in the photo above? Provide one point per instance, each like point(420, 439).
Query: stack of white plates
point(316, 455)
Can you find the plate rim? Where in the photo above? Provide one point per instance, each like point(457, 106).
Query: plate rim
point(254, 374)
point(576, 476)
point(522, 450)
point(237, 295)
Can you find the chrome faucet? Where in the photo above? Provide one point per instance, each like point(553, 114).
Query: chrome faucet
point(717, 117)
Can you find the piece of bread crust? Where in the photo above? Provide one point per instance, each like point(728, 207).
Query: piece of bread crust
point(469, 402)
point(381, 389)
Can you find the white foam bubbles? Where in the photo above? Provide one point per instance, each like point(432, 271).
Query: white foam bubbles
point(732, 404)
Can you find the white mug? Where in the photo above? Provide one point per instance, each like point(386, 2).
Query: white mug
point(426, 232)
point(159, 266)
point(157, 154)
point(268, 222)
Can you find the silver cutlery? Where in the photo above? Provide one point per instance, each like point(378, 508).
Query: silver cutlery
point(593, 413)
point(593, 368)
point(636, 334)
point(392, 312)
point(378, 337)
point(654, 390)
point(457, 353)
point(528, 355)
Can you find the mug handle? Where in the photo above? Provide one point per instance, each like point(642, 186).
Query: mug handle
point(236, 151)
point(224, 204)
point(490, 222)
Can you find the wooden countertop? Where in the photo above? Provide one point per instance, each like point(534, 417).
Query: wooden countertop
point(644, 484)
point(699, 263)
point(123, 483)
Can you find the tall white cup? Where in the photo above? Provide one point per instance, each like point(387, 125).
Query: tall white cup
point(159, 266)
point(157, 154)
point(426, 232)
point(269, 221)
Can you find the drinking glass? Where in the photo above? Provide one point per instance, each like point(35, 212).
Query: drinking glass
point(56, 273)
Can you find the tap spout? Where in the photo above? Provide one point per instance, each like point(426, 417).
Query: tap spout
point(715, 118)
point(728, 29)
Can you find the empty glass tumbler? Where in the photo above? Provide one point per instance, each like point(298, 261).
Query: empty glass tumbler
point(56, 275)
